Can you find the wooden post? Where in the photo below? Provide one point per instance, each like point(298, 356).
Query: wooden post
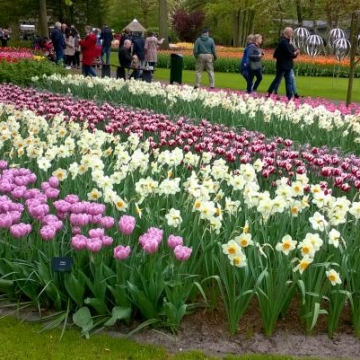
point(354, 28)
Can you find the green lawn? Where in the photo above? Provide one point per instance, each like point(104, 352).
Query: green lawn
point(324, 87)
point(20, 341)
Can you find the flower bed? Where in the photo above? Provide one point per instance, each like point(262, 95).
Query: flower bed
point(280, 156)
point(294, 239)
point(156, 217)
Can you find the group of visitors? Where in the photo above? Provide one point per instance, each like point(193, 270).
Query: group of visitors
point(66, 44)
point(284, 54)
point(251, 66)
point(4, 36)
point(138, 55)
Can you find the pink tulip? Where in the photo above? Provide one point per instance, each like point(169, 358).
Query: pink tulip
point(20, 230)
point(54, 182)
point(182, 253)
point(174, 241)
point(107, 240)
point(122, 252)
point(96, 233)
point(107, 222)
point(127, 224)
point(47, 232)
point(94, 244)
point(79, 242)
point(151, 245)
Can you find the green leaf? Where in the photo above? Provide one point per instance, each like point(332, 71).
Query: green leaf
point(83, 319)
point(98, 304)
point(119, 313)
point(6, 284)
point(75, 288)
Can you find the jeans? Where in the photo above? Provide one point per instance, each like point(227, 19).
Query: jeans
point(105, 50)
point(252, 74)
point(293, 84)
point(87, 70)
point(288, 82)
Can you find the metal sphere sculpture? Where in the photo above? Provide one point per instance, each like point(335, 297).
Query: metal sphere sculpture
point(314, 45)
point(341, 49)
point(300, 36)
point(334, 35)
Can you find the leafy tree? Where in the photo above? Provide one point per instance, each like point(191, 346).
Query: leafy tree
point(188, 24)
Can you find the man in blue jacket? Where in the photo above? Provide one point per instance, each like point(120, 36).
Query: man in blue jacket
point(284, 55)
point(58, 40)
point(205, 54)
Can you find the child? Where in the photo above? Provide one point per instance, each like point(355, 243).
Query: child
point(135, 65)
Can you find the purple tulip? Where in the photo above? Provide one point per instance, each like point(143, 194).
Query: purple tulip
point(96, 233)
point(54, 182)
point(47, 232)
point(151, 245)
point(96, 209)
point(94, 244)
point(127, 224)
point(5, 221)
point(52, 193)
point(71, 199)
point(20, 230)
point(174, 241)
point(3, 164)
point(121, 252)
point(79, 242)
point(107, 222)
point(182, 253)
point(79, 219)
point(107, 240)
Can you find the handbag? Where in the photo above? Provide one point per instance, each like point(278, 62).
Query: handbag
point(255, 65)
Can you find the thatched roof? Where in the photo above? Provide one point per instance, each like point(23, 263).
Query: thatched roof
point(135, 26)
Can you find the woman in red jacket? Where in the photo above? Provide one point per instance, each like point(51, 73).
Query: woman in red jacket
point(88, 49)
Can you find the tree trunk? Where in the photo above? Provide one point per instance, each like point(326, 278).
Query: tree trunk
point(299, 12)
point(43, 25)
point(354, 28)
point(236, 29)
point(163, 24)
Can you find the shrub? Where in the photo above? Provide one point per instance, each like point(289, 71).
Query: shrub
point(21, 72)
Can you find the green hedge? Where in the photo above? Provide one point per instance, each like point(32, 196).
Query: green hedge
point(21, 72)
point(232, 66)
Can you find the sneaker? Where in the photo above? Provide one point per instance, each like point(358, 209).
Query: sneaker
point(195, 87)
point(212, 87)
point(68, 68)
point(297, 96)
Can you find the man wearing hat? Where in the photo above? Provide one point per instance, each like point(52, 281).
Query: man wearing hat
point(205, 54)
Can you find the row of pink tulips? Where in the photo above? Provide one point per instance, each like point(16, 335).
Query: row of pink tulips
point(20, 199)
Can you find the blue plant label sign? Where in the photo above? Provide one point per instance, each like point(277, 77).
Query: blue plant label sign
point(62, 263)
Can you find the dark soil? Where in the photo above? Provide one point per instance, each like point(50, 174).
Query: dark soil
point(207, 331)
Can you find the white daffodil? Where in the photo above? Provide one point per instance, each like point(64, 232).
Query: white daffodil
point(286, 245)
point(333, 276)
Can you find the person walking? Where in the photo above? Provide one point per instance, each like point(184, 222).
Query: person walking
point(106, 37)
point(151, 48)
point(88, 47)
point(254, 63)
point(205, 55)
point(284, 55)
point(58, 40)
point(70, 48)
point(244, 68)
